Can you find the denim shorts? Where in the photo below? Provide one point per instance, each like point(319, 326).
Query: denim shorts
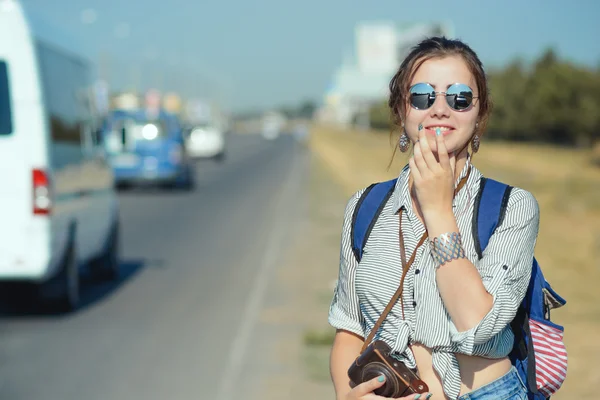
point(507, 387)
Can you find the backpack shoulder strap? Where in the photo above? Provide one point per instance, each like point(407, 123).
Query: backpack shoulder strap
point(490, 208)
point(367, 210)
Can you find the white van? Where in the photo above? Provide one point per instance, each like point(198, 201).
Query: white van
point(58, 208)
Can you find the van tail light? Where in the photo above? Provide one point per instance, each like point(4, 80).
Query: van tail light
point(42, 201)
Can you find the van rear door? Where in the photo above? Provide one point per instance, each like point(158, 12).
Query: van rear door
point(15, 168)
point(17, 175)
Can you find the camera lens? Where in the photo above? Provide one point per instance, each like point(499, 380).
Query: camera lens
point(375, 369)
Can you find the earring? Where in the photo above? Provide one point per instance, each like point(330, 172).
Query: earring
point(403, 142)
point(475, 143)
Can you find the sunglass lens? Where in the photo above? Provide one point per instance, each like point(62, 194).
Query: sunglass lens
point(459, 96)
point(422, 96)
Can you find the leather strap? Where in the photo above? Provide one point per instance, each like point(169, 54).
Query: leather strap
point(394, 299)
point(405, 268)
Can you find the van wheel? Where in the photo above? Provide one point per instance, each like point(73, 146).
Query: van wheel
point(107, 267)
point(68, 282)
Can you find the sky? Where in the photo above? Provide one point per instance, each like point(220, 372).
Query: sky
point(255, 54)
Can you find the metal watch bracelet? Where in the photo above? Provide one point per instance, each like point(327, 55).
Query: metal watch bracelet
point(447, 247)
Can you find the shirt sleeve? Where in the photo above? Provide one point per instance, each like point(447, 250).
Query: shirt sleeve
point(505, 270)
point(345, 312)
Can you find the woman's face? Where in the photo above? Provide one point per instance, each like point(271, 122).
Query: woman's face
point(456, 126)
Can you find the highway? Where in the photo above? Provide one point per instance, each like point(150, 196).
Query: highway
point(182, 321)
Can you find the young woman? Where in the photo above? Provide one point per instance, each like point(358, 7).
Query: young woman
point(452, 325)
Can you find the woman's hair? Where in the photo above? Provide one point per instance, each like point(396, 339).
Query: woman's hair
point(437, 47)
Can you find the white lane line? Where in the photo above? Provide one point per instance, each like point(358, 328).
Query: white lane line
point(231, 375)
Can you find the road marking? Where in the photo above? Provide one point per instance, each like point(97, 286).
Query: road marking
point(231, 375)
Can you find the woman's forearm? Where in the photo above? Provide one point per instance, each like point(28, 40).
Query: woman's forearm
point(459, 282)
point(346, 347)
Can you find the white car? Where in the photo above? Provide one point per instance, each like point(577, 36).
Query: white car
point(59, 209)
point(206, 141)
point(272, 125)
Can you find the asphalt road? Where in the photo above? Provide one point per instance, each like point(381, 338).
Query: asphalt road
point(182, 321)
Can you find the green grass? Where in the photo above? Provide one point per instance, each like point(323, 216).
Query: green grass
point(319, 338)
point(317, 347)
point(316, 361)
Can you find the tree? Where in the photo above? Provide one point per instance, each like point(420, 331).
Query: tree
point(551, 100)
point(507, 92)
point(379, 116)
point(554, 101)
point(307, 109)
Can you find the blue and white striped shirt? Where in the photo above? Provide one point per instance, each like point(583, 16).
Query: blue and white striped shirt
point(364, 289)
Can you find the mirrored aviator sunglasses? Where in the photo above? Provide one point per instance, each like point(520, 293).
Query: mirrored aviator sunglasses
point(458, 96)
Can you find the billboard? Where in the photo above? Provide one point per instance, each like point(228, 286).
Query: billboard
point(376, 47)
point(413, 34)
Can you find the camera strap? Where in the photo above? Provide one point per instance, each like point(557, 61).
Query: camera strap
point(405, 268)
point(398, 294)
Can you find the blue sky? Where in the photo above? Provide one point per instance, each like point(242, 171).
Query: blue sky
point(260, 53)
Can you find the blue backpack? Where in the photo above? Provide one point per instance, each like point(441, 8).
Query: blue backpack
point(538, 354)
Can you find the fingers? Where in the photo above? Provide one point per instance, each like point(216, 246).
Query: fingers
point(369, 386)
point(365, 390)
point(420, 160)
point(422, 396)
point(414, 170)
point(426, 151)
point(442, 151)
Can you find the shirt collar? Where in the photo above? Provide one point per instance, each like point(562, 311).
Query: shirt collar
point(401, 196)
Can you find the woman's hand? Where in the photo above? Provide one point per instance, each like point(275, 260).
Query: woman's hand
point(365, 390)
point(433, 178)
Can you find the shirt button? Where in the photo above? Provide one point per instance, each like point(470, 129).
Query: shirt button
point(505, 267)
point(417, 271)
point(414, 303)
